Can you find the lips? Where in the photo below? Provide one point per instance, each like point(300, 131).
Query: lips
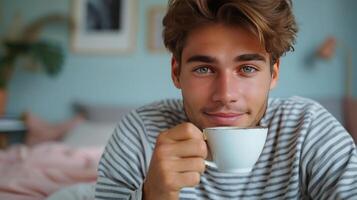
point(224, 118)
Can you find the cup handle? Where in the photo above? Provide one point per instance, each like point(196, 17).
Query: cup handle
point(210, 163)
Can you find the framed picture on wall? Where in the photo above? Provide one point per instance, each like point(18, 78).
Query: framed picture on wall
point(155, 27)
point(104, 26)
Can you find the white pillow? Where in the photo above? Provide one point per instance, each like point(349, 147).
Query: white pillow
point(102, 113)
point(90, 134)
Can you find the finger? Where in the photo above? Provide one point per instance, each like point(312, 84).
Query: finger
point(188, 179)
point(188, 148)
point(184, 131)
point(177, 181)
point(188, 165)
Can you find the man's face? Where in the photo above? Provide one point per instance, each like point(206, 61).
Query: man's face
point(224, 76)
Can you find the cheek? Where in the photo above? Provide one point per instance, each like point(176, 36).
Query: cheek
point(195, 93)
point(194, 88)
point(195, 96)
point(256, 91)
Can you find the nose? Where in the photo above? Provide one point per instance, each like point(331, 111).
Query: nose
point(226, 88)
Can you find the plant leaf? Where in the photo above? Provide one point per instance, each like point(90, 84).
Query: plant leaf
point(50, 56)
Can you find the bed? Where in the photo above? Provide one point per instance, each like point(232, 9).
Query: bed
point(36, 172)
point(65, 169)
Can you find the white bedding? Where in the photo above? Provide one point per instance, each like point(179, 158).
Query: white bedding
point(87, 134)
point(80, 191)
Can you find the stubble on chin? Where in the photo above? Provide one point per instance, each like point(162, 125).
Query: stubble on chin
point(196, 119)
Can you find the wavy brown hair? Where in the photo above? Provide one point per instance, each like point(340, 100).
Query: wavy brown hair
point(272, 21)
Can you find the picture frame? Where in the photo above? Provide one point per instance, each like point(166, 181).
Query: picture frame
point(106, 26)
point(155, 41)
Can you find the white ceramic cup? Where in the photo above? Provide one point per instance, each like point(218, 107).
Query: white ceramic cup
point(234, 149)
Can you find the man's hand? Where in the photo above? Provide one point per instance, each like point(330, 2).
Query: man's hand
point(177, 162)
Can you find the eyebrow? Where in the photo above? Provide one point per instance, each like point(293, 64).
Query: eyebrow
point(240, 58)
point(201, 58)
point(250, 57)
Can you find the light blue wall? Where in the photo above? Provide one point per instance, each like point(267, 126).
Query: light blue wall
point(317, 20)
point(143, 77)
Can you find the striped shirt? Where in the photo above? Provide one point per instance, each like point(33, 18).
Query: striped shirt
point(307, 155)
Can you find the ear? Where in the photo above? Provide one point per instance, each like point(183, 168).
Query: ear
point(275, 74)
point(175, 72)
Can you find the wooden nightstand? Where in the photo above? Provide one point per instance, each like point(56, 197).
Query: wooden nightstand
point(12, 131)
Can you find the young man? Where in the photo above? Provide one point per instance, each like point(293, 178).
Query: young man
point(225, 61)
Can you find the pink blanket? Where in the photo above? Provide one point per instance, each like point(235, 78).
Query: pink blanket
point(29, 173)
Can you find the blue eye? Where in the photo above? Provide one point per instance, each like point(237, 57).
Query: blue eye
point(203, 70)
point(248, 69)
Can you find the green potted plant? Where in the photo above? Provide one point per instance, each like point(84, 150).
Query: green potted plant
point(46, 56)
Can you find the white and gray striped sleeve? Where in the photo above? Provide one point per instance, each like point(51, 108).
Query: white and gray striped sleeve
point(123, 164)
point(329, 159)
